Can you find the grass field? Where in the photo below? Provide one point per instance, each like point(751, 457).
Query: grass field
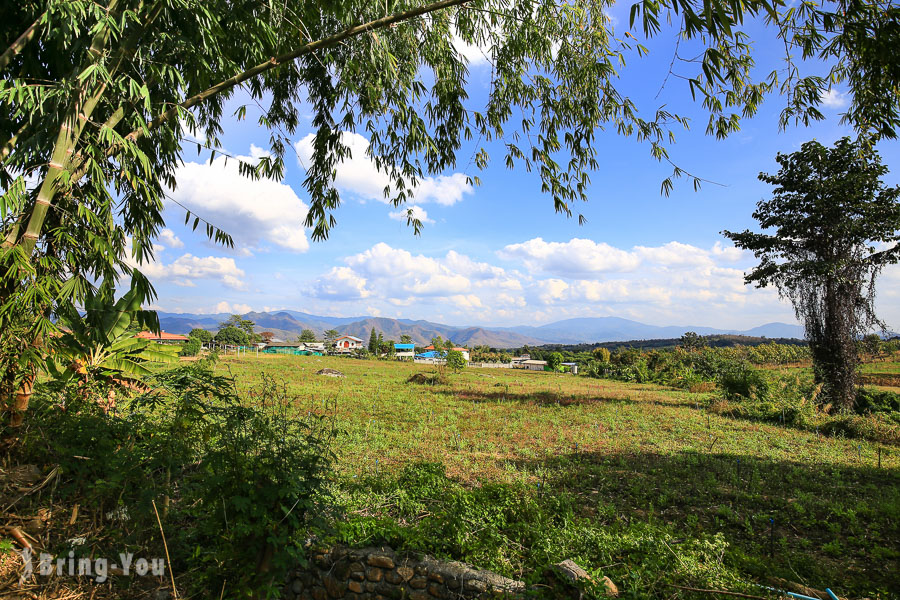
point(652, 488)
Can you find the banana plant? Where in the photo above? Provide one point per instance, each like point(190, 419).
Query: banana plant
point(100, 345)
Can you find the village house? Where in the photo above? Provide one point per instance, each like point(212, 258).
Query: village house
point(347, 344)
point(516, 361)
point(163, 337)
point(533, 365)
point(404, 350)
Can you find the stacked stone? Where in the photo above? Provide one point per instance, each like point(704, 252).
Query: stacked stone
point(380, 574)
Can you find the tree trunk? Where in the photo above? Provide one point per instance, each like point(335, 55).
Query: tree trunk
point(838, 357)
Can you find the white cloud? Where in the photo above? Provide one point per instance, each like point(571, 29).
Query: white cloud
point(674, 283)
point(399, 278)
point(358, 176)
point(577, 257)
point(417, 213)
point(188, 268)
point(235, 309)
point(833, 98)
point(474, 54)
point(340, 283)
point(169, 239)
point(587, 259)
point(674, 254)
point(252, 212)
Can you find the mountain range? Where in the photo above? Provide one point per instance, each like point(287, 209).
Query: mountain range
point(287, 325)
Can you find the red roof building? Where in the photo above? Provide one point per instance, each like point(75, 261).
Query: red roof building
point(163, 337)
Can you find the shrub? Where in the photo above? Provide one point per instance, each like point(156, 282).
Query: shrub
point(237, 480)
point(260, 485)
point(870, 400)
point(190, 347)
point(737, 379)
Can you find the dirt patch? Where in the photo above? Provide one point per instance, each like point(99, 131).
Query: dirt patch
point(885, 379)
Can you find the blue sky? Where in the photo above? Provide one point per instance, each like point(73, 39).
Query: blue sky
point(498, 254)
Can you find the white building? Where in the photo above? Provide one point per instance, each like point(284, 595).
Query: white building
point(533, 365)
point(347, 344)
point(464, 352)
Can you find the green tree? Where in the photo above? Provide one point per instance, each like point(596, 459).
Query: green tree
point(871, 345)
point(602, 354)
point(554, 360)
point(232, 336)
point(201, 334)
point(240, 322)
point(307, 335)
point(835, 225)
point(406, 339)
point(373, 342)
point(455, 361)
point(330, 336)
point(692, 341)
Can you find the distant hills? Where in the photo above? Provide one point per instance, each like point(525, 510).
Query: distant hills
point(287, 324)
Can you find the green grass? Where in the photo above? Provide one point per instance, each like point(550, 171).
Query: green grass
point(637, 479)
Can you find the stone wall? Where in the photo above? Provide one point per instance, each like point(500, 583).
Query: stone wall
point(382, 574)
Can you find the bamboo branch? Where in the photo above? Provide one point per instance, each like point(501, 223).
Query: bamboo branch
point(328, 42)
point(63, 149)
point(64, 145)
point(275, 61)
point(20, 42)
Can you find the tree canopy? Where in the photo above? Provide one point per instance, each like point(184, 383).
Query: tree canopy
point(232, 336)
point(201, 334)
point(834, 225)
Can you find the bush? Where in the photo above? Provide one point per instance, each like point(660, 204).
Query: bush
point(190, 347)
point(737, 379)
point(870, 400)
point(260, 485)
point(237, 479)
